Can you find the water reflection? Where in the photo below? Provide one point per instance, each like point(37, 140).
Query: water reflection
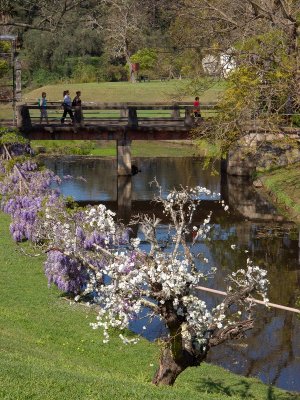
point(102, 181)
point(272, 350)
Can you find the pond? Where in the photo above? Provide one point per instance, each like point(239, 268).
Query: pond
point(271, 350)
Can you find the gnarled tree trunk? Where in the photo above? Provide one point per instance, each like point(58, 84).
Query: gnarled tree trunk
point(170, 368)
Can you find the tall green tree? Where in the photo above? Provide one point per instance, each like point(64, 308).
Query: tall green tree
point(262, 36)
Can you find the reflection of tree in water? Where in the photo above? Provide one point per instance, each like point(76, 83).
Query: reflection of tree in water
point(270, 348)
point(267, 351)
point(173, 172)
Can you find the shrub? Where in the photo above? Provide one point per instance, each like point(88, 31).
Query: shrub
point(43, 77)
point(296, 120)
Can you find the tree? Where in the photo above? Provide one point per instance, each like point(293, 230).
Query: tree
point(146, 58)
point(125, 20)
point(39, 15)
point(92, 256)
point(262, 37)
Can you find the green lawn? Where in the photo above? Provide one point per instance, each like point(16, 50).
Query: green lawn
point(123, 91)
point(283, 185)
point(49, 351)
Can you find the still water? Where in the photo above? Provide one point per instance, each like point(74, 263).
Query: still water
point(271, 350)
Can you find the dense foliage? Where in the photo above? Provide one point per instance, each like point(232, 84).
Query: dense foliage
point(85, 40)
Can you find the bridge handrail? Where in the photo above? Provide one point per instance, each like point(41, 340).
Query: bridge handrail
point(128, 111)
point(123, 106)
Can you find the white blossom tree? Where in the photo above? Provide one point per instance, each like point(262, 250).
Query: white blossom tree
point(126, 277)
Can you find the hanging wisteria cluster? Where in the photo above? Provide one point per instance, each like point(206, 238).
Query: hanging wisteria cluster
point(24, 190)
point(73, 239)
point(95, 259)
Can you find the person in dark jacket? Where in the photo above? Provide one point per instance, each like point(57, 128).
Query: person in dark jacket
point(67, 105)
point(76, 103)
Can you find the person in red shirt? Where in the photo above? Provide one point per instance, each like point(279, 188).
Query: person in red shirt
point(196, 109)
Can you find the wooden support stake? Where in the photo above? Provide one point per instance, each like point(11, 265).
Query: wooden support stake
point(295, 310)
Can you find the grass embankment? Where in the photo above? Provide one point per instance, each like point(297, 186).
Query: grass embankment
point(105, 92)
point(139, 148)
point(283, 186)
point(50, 352)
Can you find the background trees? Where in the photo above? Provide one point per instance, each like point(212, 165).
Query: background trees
point(55, 35)
point(88, 40)
point(262, 37)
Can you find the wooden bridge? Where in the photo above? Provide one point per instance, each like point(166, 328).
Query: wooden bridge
point(104, 121)
point(122, 122)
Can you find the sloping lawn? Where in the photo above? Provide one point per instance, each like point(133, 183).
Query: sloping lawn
point(104, 92)
point(49, 351)
point(283, 185)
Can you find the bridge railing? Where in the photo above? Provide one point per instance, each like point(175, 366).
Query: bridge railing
point(131, 114)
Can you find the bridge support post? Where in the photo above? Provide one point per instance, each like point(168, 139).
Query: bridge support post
point(124, 157)
point(23, 118)
point(124, 197)
point(188, 120)
point(175, 111)
point(132, 117)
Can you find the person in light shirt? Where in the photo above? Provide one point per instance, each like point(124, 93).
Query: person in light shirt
point(42, 103)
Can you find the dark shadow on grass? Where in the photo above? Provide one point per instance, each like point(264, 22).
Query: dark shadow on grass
point(281, 396)
point(241, 389)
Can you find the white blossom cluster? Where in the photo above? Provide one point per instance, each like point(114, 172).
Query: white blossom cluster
point(72, 230)
point(124, 279)
point(253, 276)
point(203, 231)
point(101, 218)
point(225, 206)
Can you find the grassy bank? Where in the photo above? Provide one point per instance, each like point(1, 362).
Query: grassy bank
point(125, 91)
point(283, 187)
point(139, 148)
point(50, 352)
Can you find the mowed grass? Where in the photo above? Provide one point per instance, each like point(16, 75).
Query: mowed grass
point(283, 184)
point(49, 351)
point(104, 92)
point(139, 148)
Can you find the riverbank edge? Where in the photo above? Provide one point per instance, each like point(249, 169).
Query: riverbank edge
point(107, 148)
point(52, 353)
point(281, 187)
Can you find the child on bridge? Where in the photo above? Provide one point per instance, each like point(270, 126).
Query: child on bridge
point(42, 103)
point(196, 109)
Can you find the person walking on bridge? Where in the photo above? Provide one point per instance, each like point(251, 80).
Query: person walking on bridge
point(76, 103)
point(42, 103)
point(196, 109)
point(67, 105)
